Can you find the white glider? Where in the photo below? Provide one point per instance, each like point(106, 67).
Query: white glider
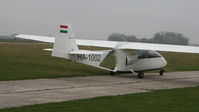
point(129, 56)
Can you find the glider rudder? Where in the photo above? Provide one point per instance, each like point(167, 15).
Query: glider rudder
point(64, 42)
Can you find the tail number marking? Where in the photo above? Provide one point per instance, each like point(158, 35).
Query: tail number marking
point(90, 57)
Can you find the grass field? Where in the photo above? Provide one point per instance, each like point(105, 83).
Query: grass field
point(19, 60)
point(175, 100)
point(29, 61)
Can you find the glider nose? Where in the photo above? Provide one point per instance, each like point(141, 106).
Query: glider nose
point(164, 62)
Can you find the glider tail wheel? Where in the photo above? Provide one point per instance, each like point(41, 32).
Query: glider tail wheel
point(141, 75)
point(112, 73)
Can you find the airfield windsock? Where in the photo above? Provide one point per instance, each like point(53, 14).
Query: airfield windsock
point(63, 29)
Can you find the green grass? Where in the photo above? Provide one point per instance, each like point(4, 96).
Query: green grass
point(181, 61)
point(175, 100)
point(23, 60)
point(29, 61)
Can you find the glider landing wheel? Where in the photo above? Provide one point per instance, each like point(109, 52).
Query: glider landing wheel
point(141, 75)
point(161, 72)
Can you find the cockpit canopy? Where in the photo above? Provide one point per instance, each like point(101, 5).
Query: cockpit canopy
point(142, 54)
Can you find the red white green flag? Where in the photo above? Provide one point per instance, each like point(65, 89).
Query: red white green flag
point(63, 29)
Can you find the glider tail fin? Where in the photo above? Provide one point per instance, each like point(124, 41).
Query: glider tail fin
point(64, 42)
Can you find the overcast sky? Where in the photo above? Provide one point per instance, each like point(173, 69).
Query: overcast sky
point(97, 19)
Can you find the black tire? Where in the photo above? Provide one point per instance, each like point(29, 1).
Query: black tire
point(161, 72)
point(112, 73)
point(141, 75)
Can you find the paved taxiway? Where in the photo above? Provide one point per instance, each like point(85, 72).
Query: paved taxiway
point(27, 92)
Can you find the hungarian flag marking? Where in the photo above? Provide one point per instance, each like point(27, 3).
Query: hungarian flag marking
point(63, 29)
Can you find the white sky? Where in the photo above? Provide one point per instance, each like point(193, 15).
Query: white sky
point(97, 19)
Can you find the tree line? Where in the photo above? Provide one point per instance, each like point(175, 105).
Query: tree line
point(160, 37)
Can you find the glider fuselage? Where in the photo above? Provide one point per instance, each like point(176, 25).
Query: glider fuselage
point(142, 60)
